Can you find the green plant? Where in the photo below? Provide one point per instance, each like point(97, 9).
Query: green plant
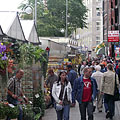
point(28, 113)
point(12, 112)
point(37, 116)
point(29, 53)
point(6, 110)
point(41, 56)
point(39, 103)
point(2, 111)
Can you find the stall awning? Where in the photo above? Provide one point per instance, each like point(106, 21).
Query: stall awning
point(30, 31)
point(1, 32)
point(11, 26)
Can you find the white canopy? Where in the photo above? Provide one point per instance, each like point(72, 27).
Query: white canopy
point(30, 31)
point(11, 26)
point(1, 32)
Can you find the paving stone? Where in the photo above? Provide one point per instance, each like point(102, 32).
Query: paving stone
point(50, 113)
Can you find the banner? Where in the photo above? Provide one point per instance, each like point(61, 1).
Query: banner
point(101, 45)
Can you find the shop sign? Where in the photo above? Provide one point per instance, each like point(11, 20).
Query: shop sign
point(113, 36)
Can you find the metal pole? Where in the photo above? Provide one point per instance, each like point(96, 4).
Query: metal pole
point(36, 12)
point(66, 31)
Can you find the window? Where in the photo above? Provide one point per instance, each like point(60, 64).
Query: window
point(97, 42)
point(98, 28)
point(97, 23)
point(97, 38)
point(98, 13)
point(97, 8)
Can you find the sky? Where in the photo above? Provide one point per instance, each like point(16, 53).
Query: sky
point(9, 5)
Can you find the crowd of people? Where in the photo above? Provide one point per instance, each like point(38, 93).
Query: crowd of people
point(92, 86)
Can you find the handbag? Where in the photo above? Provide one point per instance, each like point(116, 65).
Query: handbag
point(116, 92)
point(58, 106)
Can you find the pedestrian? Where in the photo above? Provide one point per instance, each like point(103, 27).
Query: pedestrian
point(83, 66)
point(103, 68)
point(108, 85)
point(93, 64)
point(79, 66)
point(118, 71)
point(104, 62)
point(52, 77)
point(62, 92)
point(85, 91)
point(98, 76)
point(72, 74)
point(15, 91)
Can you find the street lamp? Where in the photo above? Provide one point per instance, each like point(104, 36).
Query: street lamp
point(66, 30)
point(36, 13)
point(29, 9)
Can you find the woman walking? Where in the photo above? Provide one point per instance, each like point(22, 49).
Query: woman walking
point(61, 93)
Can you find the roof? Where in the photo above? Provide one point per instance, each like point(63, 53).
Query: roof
point(1, 32)
point(30, 31)
point(10, 24)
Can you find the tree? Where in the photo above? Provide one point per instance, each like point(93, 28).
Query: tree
point(52, 18)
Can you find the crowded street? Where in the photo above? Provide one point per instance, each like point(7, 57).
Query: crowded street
point(59, 59)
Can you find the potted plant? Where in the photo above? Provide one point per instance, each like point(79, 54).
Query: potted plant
point(8, 110)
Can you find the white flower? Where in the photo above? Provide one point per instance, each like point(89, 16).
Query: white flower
point(30, 102)
point(37, 96)
point(11, 105)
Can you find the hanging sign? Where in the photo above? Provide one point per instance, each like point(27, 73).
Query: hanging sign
point(113, 36)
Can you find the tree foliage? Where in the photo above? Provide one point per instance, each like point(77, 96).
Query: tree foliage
point(52, 18)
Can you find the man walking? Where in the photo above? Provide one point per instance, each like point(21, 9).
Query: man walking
point(84, 91)
point(98, 76)
point(52, 77)
point(107, 87)
point(15, 91)
point(72, 74)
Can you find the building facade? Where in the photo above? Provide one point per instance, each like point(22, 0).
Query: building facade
point(111, 22)
point(93, 35)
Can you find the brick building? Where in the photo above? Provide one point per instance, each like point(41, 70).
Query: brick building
point(111, 21)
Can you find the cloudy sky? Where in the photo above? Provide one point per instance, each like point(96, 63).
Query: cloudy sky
point(9, 5)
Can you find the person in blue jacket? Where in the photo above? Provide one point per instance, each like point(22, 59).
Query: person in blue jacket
point(85, 91)
point(72, 74)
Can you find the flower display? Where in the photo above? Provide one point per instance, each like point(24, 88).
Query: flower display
point(5, 51)
point(2, 51)
point(4, 57)
point(2, 48)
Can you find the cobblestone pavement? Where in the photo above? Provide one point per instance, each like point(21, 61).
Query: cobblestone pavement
point(50, 114)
